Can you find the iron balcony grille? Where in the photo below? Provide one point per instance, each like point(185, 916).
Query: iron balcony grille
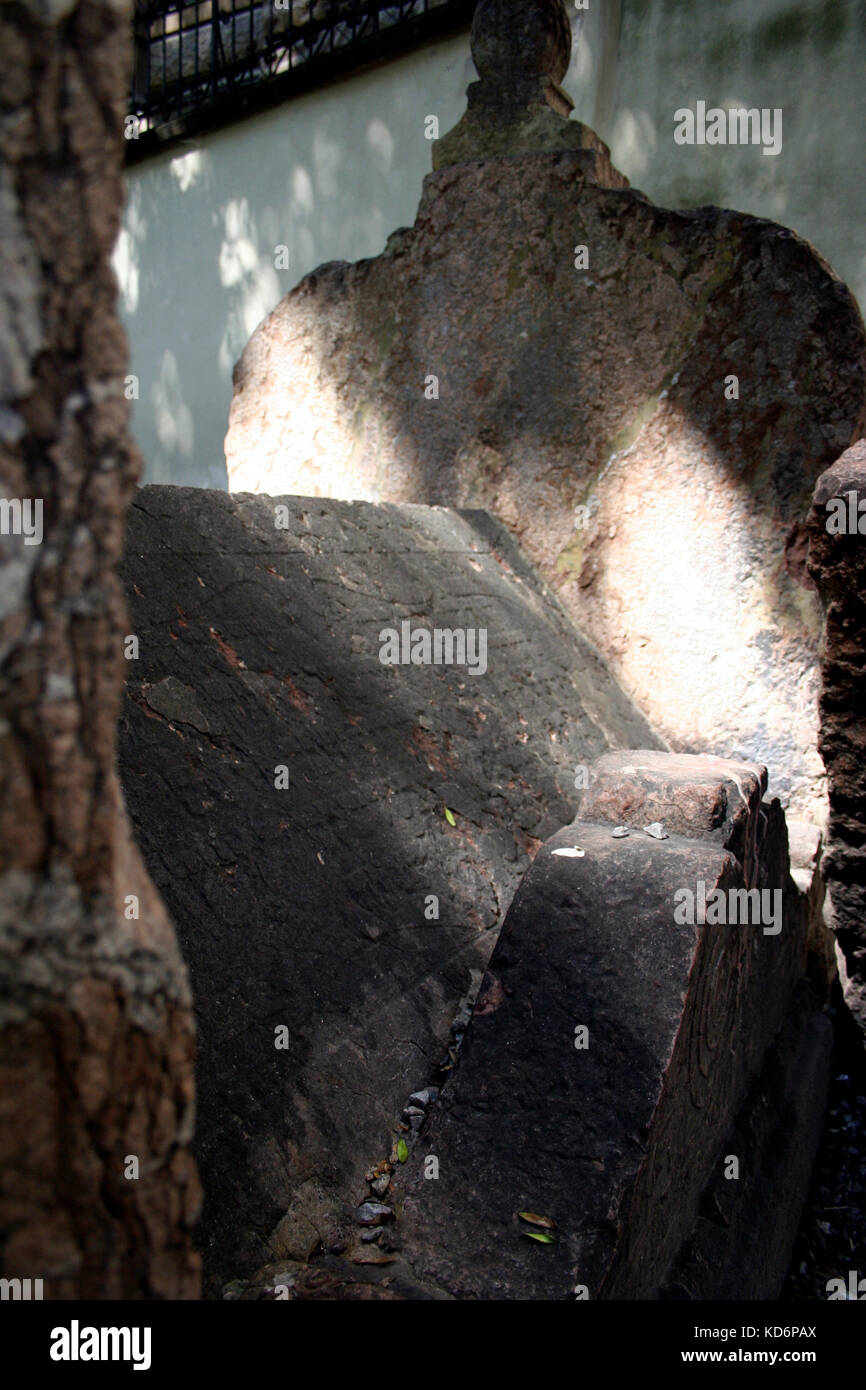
point(208, 62)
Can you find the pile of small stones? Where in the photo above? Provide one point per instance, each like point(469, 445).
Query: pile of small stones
point(374, 1216)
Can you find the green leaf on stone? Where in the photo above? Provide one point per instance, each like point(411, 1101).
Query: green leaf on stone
point(402, 1150)
point(541, 1236)
point(449, 816)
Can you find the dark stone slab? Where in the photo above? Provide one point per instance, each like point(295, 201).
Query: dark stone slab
point(837, 563)
point(305, 908)
point(741, 1245)
point(619, 1141)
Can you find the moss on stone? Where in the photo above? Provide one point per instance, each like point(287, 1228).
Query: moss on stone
point(516, 274)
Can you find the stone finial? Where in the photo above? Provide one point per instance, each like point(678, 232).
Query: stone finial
point(531, 40)
point(521, 49)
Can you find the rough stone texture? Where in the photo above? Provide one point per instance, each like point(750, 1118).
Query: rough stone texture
point(95, 1016)
point(305, 907)
point(704, 796)
point(837, 563)
point(703, 1041)
point(509, 41)
point(806, 850)
point(741, 1244)
point(599, 389)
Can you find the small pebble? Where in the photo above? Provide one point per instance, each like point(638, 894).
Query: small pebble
point(425, 1097)
point(620, 832)
point(381, 1184)
point(657, 831)
point(373, 1214)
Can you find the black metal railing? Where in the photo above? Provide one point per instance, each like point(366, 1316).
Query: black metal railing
point(206, 62)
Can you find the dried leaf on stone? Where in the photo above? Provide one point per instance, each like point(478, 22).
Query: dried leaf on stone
point(574, 853)
point(534, 1220)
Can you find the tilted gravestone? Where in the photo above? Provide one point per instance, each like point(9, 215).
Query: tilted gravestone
point(643, 1081)
point(645, 397)
point(337, 836)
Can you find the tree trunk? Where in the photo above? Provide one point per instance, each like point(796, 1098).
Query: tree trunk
point(96, 1076)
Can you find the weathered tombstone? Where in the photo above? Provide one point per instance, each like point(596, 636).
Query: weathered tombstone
point(98, 1191)
point(645, 397)
point(646, 1067)
point(337, 837)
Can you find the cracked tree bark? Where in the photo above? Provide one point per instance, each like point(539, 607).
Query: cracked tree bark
point(97, 1034)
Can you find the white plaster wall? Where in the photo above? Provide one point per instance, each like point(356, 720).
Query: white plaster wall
point(331, 174)
point(807, 57)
